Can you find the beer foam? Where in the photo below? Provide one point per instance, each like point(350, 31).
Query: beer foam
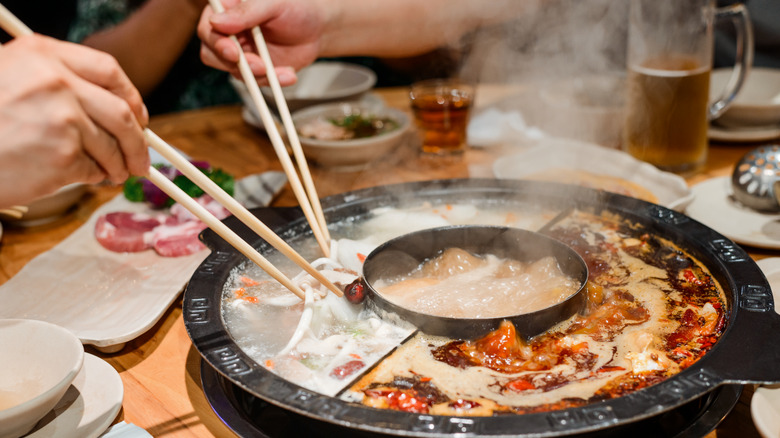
point(668, 73)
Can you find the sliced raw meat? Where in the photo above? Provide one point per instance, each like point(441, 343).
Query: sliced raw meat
point(183, 215)
point(178, 240)
point(125, 232)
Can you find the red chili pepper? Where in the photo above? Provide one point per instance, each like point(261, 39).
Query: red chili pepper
point(463, 404)
point(690, 277)
point(349, 368)
point(520, 385)
point(399, 400)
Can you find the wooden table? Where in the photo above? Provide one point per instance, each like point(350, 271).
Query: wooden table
point(160, 369)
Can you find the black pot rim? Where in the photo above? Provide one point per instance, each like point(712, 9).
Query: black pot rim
point(744, 354)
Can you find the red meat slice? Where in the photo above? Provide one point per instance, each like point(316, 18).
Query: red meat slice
point(125, 232)
point(178, 240)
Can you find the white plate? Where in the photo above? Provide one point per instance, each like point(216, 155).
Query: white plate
point(88, 407)
point(103, 297)
point(765, 404)
point(713, 206)
point(670, 189)
point(739, 135)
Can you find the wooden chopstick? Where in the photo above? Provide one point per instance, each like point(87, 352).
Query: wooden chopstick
point(306, 200)
point(15, 27)
point(11, 24)
point(238, 210)
point(16, 211)
point(292, 133)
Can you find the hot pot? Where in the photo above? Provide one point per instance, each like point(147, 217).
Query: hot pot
point(746, 352)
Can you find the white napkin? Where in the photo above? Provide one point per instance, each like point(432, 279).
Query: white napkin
point(493, 126)
point(125, 430)
point(258, 190)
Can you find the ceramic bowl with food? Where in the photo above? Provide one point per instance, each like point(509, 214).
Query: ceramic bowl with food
point(757, 103)
point(318, 83)
point(349, 136)
point(39, 362)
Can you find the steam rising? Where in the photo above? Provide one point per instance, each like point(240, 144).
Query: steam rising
point(561, 39)
point(571, 54)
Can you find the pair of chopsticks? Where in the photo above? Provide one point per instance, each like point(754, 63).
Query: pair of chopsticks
point(16, 28)
point(307, 197)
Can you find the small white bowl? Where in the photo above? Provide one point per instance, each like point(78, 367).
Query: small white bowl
point(353, 154)
point(318, 83)
point(757, 103)
point(39, 362)
point(50, 207)
point(587, 108)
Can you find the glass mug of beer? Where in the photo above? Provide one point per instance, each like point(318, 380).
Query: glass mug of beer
point(670, 46)
point(441, 111)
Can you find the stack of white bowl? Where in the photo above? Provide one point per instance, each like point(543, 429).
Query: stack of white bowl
point(38, 363)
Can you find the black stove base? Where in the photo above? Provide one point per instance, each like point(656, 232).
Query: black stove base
point(251, 417)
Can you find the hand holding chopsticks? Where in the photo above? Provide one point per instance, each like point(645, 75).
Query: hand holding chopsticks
point(307, 198)
point(17, 28)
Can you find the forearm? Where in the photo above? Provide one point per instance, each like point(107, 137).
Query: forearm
point(407, 27)
point(149, 42)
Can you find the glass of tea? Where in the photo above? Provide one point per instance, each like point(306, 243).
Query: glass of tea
point(441, 110)
point(670, 46)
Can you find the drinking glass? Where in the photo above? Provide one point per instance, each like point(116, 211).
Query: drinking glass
point(670, 45)
point(441, 111)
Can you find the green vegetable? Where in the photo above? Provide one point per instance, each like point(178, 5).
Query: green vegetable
point(367, 126)
point(139, 189)
point(134, 189)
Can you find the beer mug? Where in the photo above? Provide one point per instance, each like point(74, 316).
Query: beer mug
point(670, 46)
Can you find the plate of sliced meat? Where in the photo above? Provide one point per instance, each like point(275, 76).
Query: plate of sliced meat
point(114, 277)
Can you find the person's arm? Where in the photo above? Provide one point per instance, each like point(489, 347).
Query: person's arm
point(67, 114)
point(150, 40)
point(299, 31)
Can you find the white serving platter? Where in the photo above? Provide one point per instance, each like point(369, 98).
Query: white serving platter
point(107, 298)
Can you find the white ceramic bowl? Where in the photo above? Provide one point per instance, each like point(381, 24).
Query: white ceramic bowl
point(50, 207)
point(757, 104)
point(350, 154)
point(318, 83)
point(38, 364)
point(587, 108)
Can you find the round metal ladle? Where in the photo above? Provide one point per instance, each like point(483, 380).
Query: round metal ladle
point(400, 256)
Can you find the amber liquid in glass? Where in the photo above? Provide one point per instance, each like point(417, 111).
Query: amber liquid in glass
point(442, 121)
point(666, 121)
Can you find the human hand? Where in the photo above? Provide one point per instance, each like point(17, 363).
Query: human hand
point(292, 30)
point(67, 114)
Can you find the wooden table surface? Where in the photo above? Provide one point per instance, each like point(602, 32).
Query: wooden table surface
point(160, 369)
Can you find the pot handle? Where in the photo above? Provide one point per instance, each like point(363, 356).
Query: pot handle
point(749, 352)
